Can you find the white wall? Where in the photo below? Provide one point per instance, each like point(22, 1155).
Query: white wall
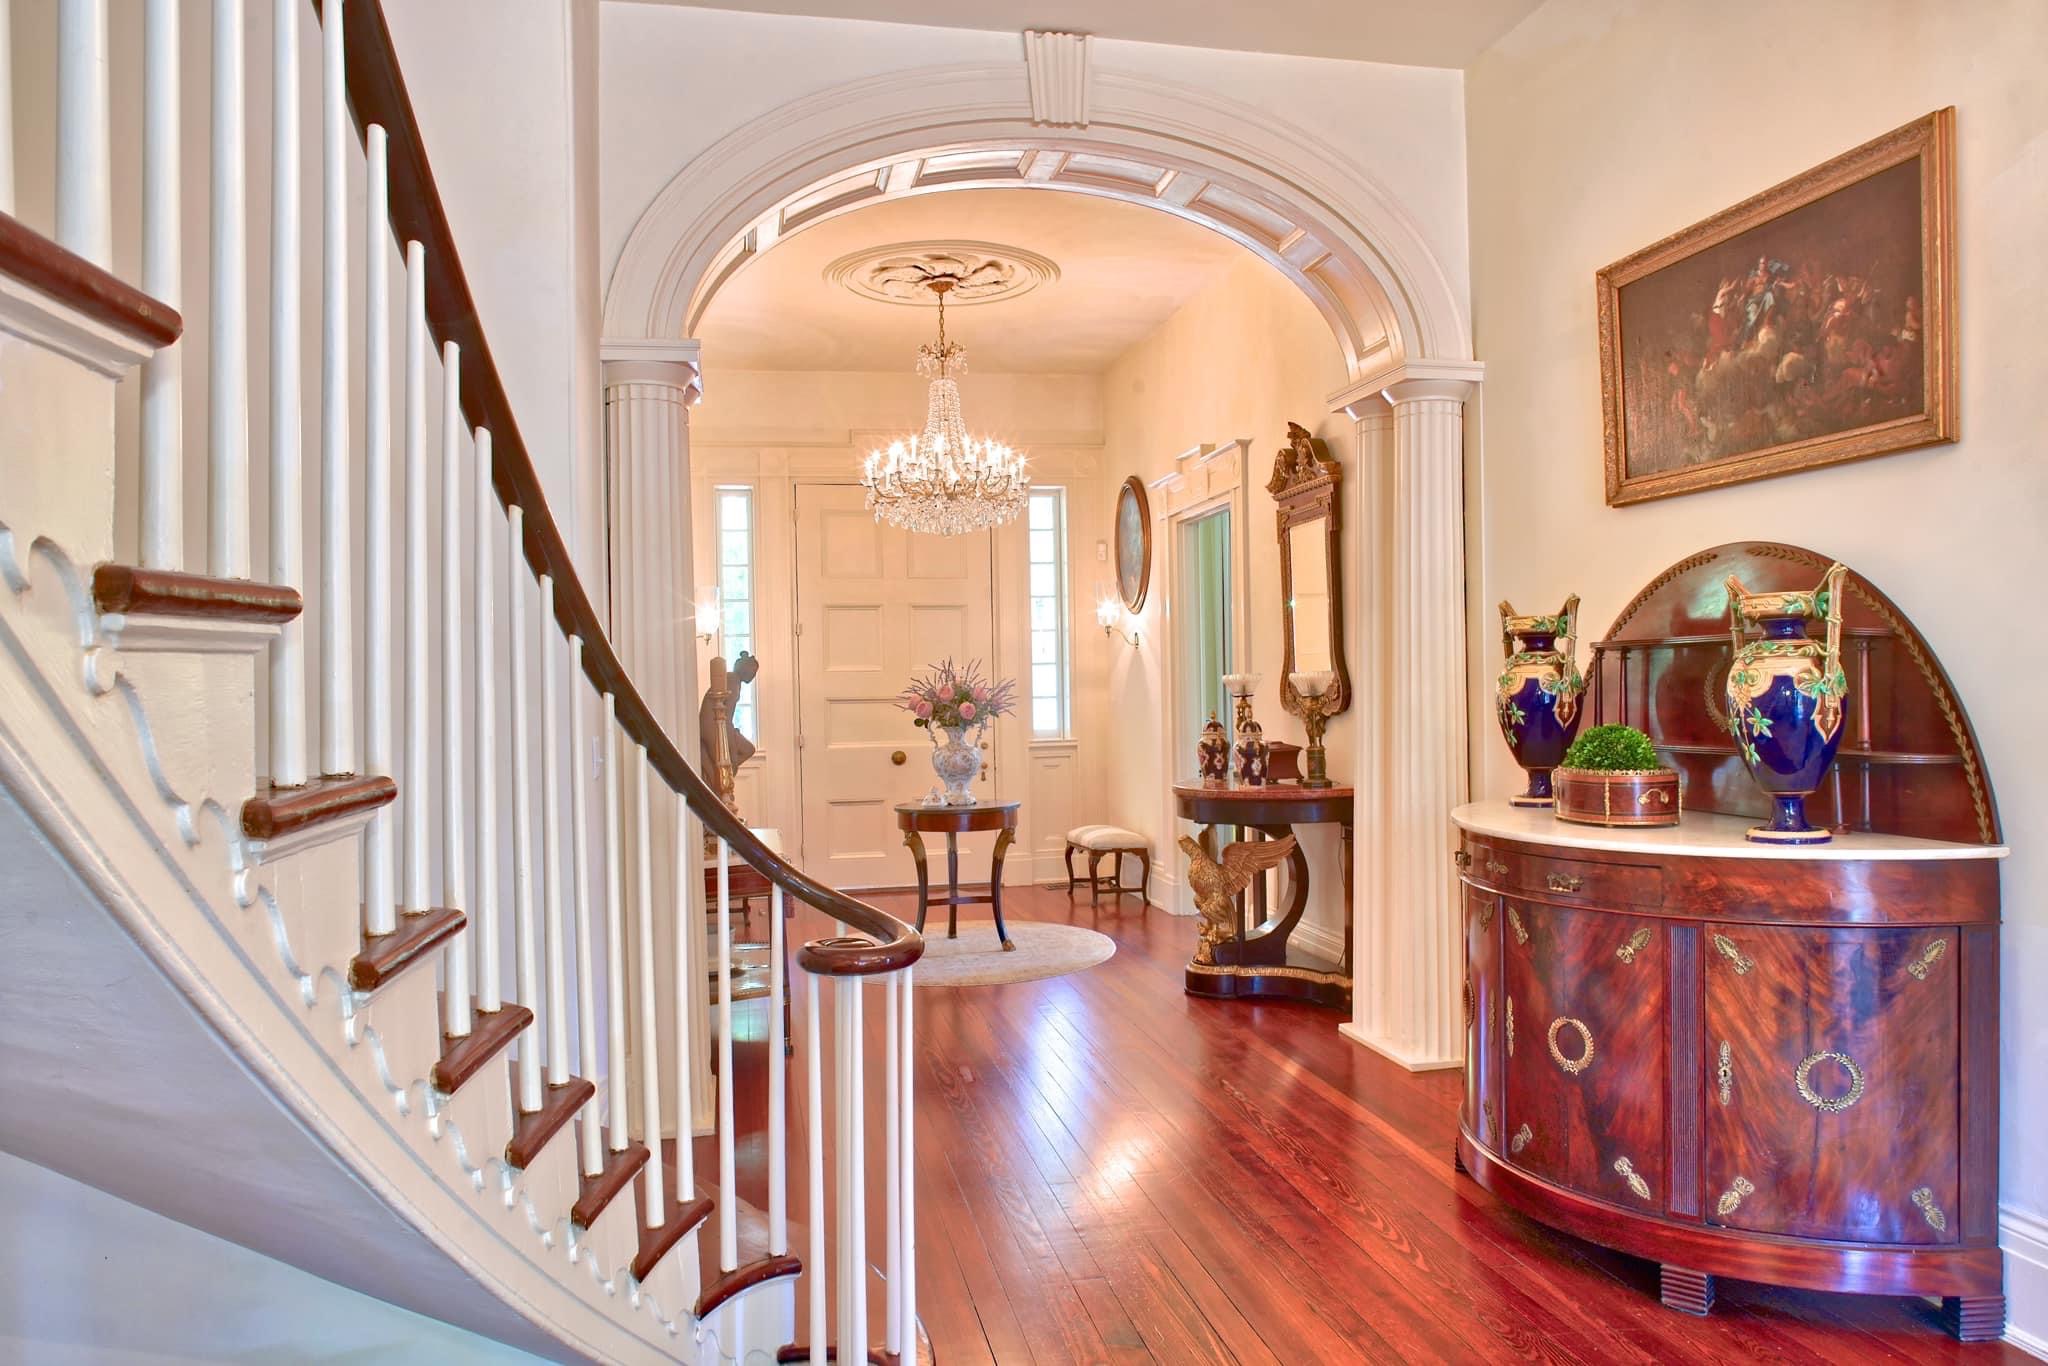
point(1242, 359)
point(774, 429)
point(1597, 127)
point(89, 1278)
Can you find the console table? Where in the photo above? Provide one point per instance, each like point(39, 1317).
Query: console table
point(1259, 960)
point(917, 820)
point(1772, 1062)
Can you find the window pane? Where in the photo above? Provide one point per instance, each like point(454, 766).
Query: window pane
point(1045, 680)
point(1045, 716)
point(736, 581)
point(1044, 546)
point(1044, 614)
point(739, 620)
point(1045, 647)
point(1044, 580)
point(1044, 509)
point(733, 512)
point(735, 547)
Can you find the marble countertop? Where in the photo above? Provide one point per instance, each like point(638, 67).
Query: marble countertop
point(1701, 834)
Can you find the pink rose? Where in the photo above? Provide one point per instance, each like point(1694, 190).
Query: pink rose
point(966, 711)
point(945, 692)
point(981, 694)
point(924, 711)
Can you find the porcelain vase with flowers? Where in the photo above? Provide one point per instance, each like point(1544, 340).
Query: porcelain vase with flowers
point(956, 701)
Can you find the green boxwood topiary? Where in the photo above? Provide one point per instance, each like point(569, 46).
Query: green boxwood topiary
point(1612, 749)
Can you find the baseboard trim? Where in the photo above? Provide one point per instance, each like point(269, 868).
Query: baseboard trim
point(2025, 1240)
point(1320, 940)
point(1413, 1062)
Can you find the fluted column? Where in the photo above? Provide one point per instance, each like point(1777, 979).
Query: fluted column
point(649, 389)
point(1407, 959)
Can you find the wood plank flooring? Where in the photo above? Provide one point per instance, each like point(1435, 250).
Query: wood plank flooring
point(1112, 1171)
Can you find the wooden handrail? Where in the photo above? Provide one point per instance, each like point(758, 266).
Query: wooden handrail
point(377, 95)
point(34, 259)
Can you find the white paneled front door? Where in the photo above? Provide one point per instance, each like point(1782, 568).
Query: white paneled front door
point(876, 605)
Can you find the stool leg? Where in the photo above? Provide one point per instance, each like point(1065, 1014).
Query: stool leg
point(1094, 876)
point(1145, 878)
point(1070, 868)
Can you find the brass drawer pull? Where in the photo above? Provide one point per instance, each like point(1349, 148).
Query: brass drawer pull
point(1832, 1105)
point(1461, 858)
point(1573, 1066)
point(1562, 882)
point(1496, 867)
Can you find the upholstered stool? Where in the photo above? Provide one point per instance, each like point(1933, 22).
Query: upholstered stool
point(1113, 840)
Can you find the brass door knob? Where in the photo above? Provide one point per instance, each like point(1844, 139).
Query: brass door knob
point(897, 758)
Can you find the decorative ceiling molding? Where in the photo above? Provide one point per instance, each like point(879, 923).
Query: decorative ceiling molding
point(1058, 66)
point(901, 272)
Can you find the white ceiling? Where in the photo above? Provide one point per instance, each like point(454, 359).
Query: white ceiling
point(1442, 33)
point(1123, 270)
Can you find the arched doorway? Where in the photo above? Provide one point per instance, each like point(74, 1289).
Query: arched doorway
point(1396, 314)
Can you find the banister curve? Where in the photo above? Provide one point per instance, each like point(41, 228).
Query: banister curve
point(377, 95)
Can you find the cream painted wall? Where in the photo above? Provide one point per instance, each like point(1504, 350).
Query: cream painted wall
point(681, 77)
point(1242, 359)
point(1598, 126)
point(773, 430)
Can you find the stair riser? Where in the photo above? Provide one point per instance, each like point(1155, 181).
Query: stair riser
point(58, 426)
point(396, 1037)
point(550, 1182)
point(479, 1117)
point(613, 1239)
point(309, 895)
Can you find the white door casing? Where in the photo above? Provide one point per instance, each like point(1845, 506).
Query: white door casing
point(876, 605)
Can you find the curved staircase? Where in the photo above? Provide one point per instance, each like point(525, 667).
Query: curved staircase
point(351, 907)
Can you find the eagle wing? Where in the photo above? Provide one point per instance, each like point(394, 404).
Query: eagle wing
point(1247, 858)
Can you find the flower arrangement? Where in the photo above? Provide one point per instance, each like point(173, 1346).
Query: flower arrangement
point(950, 697)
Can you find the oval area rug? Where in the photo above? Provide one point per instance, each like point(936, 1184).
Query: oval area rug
point(975, 959)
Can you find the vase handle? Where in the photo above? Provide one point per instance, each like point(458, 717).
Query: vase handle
point(1831, 584)
point(1507, 637)
point(1568, 638)
point(1736, 593)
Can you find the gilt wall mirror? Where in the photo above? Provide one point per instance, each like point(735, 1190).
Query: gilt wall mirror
point(1304, 483)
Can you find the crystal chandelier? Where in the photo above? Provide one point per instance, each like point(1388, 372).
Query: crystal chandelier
point(941, 480)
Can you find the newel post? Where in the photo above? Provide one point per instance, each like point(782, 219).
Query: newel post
point(1409, 623)
point(649, 388)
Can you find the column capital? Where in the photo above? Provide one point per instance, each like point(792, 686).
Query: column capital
point(653, 360)
point(1405, 381)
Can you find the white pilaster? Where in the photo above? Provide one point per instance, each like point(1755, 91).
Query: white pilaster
point(1410, 628)
point(649, 388)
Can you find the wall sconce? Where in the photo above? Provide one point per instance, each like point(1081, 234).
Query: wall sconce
point(710, 615)
point(1110, 616)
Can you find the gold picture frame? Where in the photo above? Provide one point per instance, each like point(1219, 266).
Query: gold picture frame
point(1703, 382)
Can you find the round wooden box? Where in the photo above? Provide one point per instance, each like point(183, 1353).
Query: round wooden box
point(1631, 797)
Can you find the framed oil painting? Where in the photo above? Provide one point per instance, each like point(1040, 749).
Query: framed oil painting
point(1811, 324)
point(1133, 543)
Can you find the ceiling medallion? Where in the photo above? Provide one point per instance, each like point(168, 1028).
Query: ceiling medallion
point(942, 481)
point(981, 272)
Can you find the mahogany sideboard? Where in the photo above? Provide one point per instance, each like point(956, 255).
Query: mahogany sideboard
point(1768, 1062)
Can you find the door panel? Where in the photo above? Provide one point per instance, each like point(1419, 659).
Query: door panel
point(874, 606)
point(1831, 1113)
point(1483, 1007)
point(1583, 1030)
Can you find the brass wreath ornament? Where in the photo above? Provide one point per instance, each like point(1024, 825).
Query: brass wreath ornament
point(1834, 1105)
point(1574, 1066)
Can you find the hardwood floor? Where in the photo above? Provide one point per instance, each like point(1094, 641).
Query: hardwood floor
point(1110, 1170)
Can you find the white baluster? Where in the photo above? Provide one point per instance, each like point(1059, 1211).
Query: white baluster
point(728, 1180)
point(455, 973)
point(551, 842)
point(892, 1149)
point(579, 872)
point(6, 107)
point(814, 1095)
point(163, 410)
point(287, 508)
point(526, 933)
point(614, 930)
point(650, 1063)
point(418, 650)
point(778, 1083)
point(853, 1246)
point(227, 398)
point(378, 756)
point(490, 994)
point(337, 621)
point(85, 215)
point(907, 1278)
point(686, 1164)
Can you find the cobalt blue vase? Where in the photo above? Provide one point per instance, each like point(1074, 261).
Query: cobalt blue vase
point(1537, 694)
point(1787, 698)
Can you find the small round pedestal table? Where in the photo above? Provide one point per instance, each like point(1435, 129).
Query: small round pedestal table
point(917, 820)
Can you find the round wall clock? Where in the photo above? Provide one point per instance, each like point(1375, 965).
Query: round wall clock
point(1133, 543)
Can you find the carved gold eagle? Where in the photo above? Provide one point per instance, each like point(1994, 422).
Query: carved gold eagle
point(1217, 883)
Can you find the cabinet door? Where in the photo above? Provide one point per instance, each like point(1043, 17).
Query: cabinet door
point(1831, 1082)
point(1584, 1031)
point(1483, 1018)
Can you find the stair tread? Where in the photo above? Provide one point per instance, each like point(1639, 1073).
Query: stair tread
point(533, 1128)
point(133, 590)
point(276, 811)
point(419, 933)
point(595, 1193)
point(490, 1031)
point(655, 1243)
point(745, 1277)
